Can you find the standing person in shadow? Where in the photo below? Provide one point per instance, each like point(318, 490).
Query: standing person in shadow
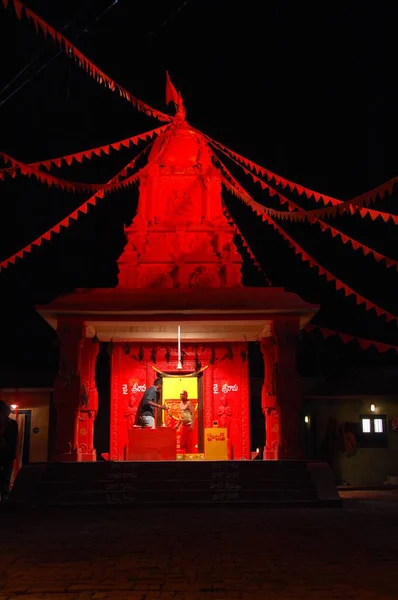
point(8, 448)
point(149, 404)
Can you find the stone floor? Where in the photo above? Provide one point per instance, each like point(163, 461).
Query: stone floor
point(203, 553)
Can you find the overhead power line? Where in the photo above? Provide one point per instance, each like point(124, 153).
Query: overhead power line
point(40, 69)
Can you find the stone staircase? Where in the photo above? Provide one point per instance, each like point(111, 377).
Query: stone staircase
point(267, 483)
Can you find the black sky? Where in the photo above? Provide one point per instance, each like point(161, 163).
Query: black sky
point(308, 90)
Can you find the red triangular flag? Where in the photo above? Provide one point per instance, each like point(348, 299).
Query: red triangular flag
point(171, 93)
point(18, 8)
point(345, 338)
point(365, 344)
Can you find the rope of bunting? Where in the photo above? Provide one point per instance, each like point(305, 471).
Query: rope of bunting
point(350, 206)
point(338, 206)
point(356, 245)
point(180, 375)
point(89, 154)
point(264, 185)
point(234, 187)
point(72, 52)
point(65, 184)
point(244, 242)
point(346, 339)
point(277, 178)
point(82, 209)
point(238, 231)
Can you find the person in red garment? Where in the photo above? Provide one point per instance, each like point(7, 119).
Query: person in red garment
point(186, 422)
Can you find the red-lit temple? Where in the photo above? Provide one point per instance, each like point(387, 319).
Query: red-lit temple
point(180, 267)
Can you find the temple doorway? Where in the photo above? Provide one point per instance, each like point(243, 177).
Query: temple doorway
point(172, 386)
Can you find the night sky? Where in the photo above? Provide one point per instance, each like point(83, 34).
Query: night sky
point(308, 90)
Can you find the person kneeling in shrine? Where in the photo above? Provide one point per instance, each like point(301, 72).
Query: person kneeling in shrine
point(149, 404)
point(186, 421)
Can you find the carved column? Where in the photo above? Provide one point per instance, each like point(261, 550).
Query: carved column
point(281, 396)
point(67, 387)
point(268, 399)
point(288, 388)
point(88, 406)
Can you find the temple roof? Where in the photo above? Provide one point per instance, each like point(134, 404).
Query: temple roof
point(239, 313)
point(113, 300)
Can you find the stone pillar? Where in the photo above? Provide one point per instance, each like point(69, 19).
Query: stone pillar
point(88, 406)
point(268, 400)
point(281, 396)
point(288, 386)
point(67, 387)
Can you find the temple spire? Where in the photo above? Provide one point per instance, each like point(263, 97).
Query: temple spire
point(172, 96)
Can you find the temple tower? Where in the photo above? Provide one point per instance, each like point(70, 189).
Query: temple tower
point(180, 237)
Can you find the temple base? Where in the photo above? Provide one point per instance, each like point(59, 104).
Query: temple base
point(198, 482)
point(75, 457)
point(280, 454)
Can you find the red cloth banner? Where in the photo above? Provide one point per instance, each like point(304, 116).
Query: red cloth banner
point(347, 338)
point(78, 156)
point(72, 52)
point(83, 208)
point(235, 188)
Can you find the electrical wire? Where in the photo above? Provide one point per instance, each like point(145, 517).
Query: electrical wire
point(171, 18)
point(35, 58)
point(85, 30)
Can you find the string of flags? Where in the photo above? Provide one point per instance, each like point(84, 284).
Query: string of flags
point(82, 61)
point(275, 186)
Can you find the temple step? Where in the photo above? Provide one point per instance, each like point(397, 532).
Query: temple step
point(158, 485)
point(268, 483)
point(136, 496)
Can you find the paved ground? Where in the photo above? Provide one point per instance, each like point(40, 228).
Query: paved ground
point(206, 554)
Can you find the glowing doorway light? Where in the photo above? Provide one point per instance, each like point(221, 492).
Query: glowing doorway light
point(179, 364)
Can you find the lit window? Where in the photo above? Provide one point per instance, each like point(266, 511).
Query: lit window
point(374, 431)
point(378, 425)
point(366, 425)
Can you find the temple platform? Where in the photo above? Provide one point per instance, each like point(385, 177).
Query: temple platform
point(262, 483)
